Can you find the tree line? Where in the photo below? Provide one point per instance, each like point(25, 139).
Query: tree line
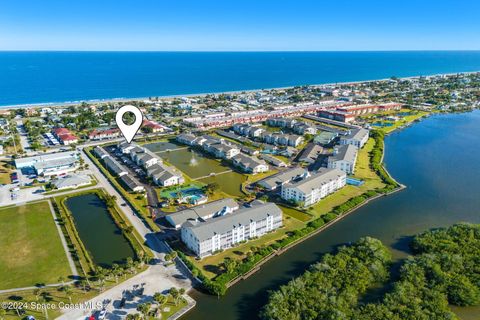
point(443, 270)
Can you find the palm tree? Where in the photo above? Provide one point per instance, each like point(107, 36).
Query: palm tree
point(44, 299)
point(129, 264)
point(175, 294)
point(36, 293)
point(133, 316)
point(83, 283)
point(68, 291)
point(160, 299)
point(181, 292)
point(144, 308)
point(101, 281)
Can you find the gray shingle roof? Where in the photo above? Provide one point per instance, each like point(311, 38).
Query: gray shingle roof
point(280, 178)
point(130, 182)
point(220, 225)
point(114, 166)
point(321, 177)
point(346, 152)
point(201, 211)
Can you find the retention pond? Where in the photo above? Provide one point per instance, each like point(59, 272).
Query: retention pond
point(97, 229)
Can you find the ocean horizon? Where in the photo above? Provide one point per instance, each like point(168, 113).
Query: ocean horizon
point(57, 77)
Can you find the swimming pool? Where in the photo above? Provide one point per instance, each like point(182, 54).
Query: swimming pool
point(355, 182)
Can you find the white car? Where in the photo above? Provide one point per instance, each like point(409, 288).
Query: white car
point(102, 314)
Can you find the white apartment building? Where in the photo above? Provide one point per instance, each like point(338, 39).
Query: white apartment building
point(206, 238)
point(344, 158)
point(357, 137)
point(315, 187)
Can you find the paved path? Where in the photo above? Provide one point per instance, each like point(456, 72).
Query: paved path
point(64, 241)
point(23, 137)
point(213, 174)
point(52, 285)
point(171, 150)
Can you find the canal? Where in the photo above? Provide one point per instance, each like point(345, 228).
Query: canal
point(437, 159)
point(99, 233)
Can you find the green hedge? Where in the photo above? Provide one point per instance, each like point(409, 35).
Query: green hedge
point(376, 160)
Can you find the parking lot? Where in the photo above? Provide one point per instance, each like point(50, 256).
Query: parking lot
point(12, 194)
point(140, 174)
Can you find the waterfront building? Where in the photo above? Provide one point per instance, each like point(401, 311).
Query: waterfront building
point(223, 151)
point(344, 158)
point(50, 164)
point(357, 137)
point(278, 180)
point(213, 235)
point(202, 212)
point(164, 175)
point(249, 164)
point(187, 138)
point(312, 189)
point(144, 157)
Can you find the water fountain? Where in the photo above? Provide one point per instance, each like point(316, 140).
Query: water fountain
point(193, 161)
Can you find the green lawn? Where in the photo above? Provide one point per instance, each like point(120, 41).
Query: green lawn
point(362, 172)
point(5, 173)
point(30, 248)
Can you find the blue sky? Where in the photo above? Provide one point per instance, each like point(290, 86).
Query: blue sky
point(245, 25)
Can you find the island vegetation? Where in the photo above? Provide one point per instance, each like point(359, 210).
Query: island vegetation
point(443, 270)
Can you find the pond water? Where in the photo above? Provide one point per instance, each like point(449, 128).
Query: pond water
point(98, 231)
point(437, 159)
point(197, 165)
point(163, 146)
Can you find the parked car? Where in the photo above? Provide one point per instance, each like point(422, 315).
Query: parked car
point(102, 314)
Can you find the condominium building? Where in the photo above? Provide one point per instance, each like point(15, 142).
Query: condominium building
point(315, 187)
point(250, 164)
point(344, 158)
point(278, 180)
point(206, 238)
point(164, 175)
point(357, 137)
point(202, 212)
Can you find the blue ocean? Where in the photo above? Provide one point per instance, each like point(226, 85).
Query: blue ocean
point(55, 77)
